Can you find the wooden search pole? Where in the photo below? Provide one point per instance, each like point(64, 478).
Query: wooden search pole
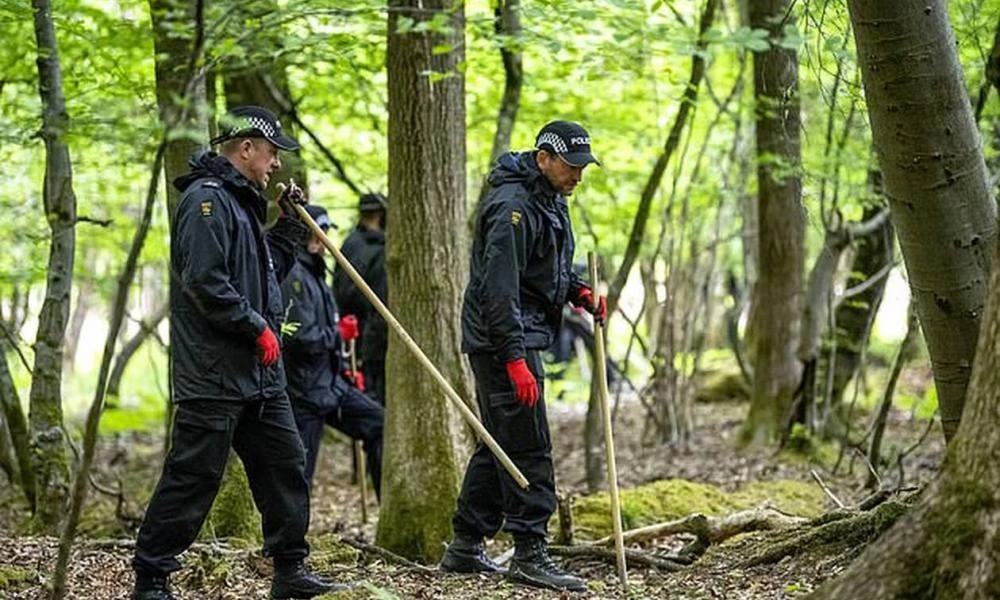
point(359, 452)
point(609, 440)
point(456, 400)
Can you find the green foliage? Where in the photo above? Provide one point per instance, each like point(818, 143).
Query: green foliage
point(14, 579)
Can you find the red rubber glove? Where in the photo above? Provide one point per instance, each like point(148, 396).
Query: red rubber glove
point(525, 386)
point(585, 300)
point(269, 348)
point(357, 379)
point(348, 328)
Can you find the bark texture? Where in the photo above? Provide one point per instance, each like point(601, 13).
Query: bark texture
point(428, 265)
point(948, 545)
point(778, 291)
point(173, 37)
point(48, 437)
point(935, 179)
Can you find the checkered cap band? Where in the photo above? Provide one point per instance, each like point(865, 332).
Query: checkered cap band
point(553, 140)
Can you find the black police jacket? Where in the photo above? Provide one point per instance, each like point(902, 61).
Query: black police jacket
point(366, 251)
point(311, 344)
point(224, 289)
point(521, 270)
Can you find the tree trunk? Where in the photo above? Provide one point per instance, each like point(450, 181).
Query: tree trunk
point(507, 22)
point(427, 444)
point(76, 321)
point(903, 356)
point(855, 314)
point(17, 427)
point(48, 438)
point(935, 179)
point(946, 547)
point(146, 328)
point(173, 37)
point(778, 293)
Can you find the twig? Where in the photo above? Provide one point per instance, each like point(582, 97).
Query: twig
point(871, 467)
point(826, 490)
point(634, 557)
point(13, 342)
point(95, 221)
point(388, 555)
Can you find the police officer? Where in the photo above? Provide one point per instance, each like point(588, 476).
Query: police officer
point(317, 381)
point(228, 378)
point(365, 249)
point(521, 276)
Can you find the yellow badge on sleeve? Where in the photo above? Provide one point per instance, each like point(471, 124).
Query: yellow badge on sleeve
point(297, 286)
point(515, 217)
point(206, 208)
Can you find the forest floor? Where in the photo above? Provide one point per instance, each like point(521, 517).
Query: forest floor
point(717, 480)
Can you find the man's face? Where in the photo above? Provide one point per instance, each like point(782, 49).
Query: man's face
point(260, 158)
point(563, 176)
point(314, 245)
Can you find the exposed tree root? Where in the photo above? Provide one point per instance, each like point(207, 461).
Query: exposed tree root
point(633, 557)
point(848, 529)
point(711, 529)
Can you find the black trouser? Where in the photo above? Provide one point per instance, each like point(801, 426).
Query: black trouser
point(356, 415)
point(490, 498)
point(374, 371)
point(264, 436)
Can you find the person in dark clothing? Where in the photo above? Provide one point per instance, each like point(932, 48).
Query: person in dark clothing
point(520, 277)
point(322, 390)
point(365, 249)
point(575, 329)
point(228, 378)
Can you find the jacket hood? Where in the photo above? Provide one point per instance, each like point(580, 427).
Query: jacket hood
point(519, 167)
point(204, 164)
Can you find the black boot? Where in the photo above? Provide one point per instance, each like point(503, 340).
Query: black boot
point(533, 565)
point(292, 580)
point(151, 587)
point(467, 554)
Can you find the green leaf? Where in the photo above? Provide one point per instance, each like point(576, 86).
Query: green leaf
point(442, 49)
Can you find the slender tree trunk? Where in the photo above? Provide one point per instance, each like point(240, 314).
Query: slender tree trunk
point(76, 321)
point(8, 459)
point(173, 37)
point(48, 439)
point(81, 483)
point(17, 427)
point(946, 546)
point(935, 179)
point(146, 329)
point(854, 315)
point(903, 355)
point(507, 22)
point(778, 293)
point(427, 444)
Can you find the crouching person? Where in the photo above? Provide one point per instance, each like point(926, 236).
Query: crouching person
point(322, 390)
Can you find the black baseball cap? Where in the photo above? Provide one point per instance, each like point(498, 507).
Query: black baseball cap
point(372, 202)
point(569, 140)
point(319, 214)
point(253, 122)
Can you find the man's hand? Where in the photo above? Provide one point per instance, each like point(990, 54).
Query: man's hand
point(348, 328)
point(355, 378)
point(585, 300)
point(525, 386)
point(288, 195)
point(269, 348)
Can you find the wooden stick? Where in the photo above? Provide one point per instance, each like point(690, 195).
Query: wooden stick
point(359, 452)
point(609, 441)
point(456, 400)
